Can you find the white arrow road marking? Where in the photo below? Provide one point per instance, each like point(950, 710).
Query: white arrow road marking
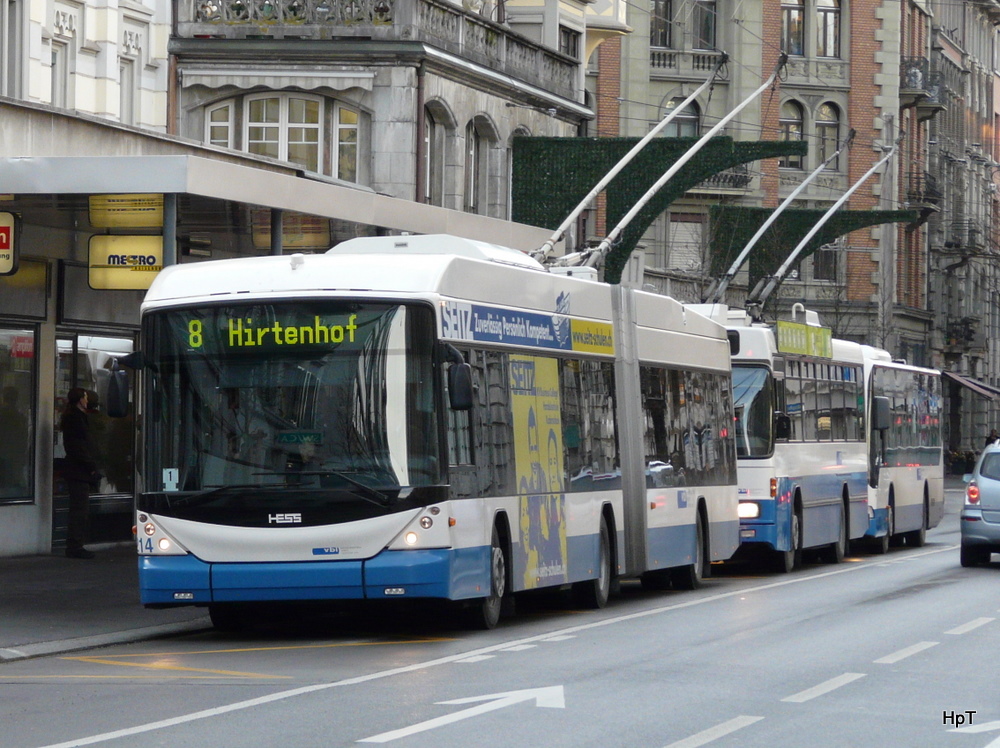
point(551, 697)
point(984, 727)
point(822, 688)
point(714, 733)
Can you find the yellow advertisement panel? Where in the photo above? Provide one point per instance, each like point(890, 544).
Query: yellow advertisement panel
point(125, 263)
point(592, 337)
point(126, 211)
point(538, 458)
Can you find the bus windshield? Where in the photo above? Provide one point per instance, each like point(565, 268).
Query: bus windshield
point(753, 394)
point(268, 408)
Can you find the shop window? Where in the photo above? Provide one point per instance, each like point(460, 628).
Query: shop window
point(18, 376)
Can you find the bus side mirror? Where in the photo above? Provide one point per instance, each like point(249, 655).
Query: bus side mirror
point(460, 386)
point(117, 397)
point(881, 414)
point(782, 426)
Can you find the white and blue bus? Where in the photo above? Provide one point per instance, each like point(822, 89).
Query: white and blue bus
point(802, 457)
point(424, 417)
point(834, 440)
point(906, 458)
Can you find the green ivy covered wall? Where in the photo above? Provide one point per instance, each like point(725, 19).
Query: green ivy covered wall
point(550, 176)
point(733, 227)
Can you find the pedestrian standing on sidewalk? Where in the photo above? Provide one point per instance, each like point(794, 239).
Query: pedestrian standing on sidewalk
point(992, 438)
point(80, 470)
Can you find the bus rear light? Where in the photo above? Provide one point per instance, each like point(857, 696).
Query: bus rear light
point(972, 493)
point(774, 487)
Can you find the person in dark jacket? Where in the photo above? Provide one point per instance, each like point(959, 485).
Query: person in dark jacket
point(80, 470)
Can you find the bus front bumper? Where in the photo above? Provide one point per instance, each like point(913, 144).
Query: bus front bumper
point(454, 574)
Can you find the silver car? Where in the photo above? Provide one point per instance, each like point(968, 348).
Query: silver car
point(980, 520)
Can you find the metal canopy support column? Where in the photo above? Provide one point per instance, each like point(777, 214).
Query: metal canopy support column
point(169, 229)
point(277, 230)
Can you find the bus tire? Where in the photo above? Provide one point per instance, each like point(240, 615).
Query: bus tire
point(881, 545)
point(690, 577)
point(228, 617)
point(787, 561)
point(835, 552)
point(917, 538)
point(594, 593)
point(484, 613)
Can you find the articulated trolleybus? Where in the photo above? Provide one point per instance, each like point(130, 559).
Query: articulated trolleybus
point(833, 441)
point(424, 417)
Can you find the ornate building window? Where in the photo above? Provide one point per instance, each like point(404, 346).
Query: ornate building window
point(828, 134)
point(686, 124)
point(790, 124)
point(704, 24)
point(828, 28)
point(792, 27)
point(660, 23)
point(314, 133)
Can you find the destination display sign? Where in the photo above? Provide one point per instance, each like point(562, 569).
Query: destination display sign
point(804, 340)
point(489, 324)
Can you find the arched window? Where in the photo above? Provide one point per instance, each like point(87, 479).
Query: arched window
point(790, 123)
point(792, 28)
point(479, 137)
point(685, 124)
point(828, 134)
point(828, 28)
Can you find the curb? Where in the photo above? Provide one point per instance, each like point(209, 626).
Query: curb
point(64, 646)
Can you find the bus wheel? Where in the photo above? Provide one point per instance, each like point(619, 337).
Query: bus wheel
point(881, 545)
point(485, 612)
point(786, 561)
point(227, 617)
point(917, 538)
point(690, 577)
point(594, 593)
point(835, 552)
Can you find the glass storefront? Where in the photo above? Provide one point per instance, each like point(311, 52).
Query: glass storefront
point(18, 374)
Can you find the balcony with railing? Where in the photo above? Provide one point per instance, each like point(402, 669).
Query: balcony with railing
point(919, 87)
point(734, 179)
point(923, 193)
point(469, 36)
point(677, 63)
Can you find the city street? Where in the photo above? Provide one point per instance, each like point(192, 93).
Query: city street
point(892, 650)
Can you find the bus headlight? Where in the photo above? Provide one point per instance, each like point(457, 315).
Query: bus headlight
point(410, 538)
point(748, 510)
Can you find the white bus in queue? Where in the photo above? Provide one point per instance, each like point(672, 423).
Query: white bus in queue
point(424, 417)
point(906, 456)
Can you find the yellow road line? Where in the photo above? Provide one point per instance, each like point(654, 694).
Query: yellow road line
point(179, 668)
point(284, 648)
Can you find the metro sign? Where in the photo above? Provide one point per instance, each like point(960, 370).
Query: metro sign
point(8, 249)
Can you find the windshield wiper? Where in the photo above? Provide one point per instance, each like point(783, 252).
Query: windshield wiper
point(366, 492)
point(204, 496)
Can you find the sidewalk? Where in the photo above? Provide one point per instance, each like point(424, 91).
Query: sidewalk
point(53, 604)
